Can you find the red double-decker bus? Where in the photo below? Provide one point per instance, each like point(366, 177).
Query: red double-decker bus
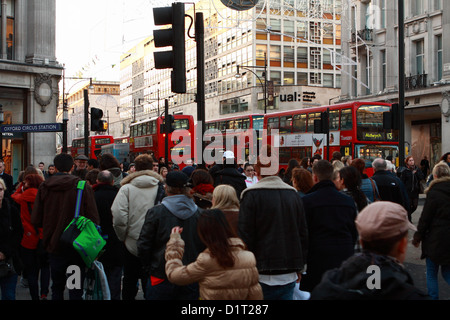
point(356, 129)
point(147, 136)
point(95, 145)
point(240, 134)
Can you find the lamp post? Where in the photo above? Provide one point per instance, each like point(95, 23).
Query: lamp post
point(2, 118)
point(264, 85)
point(66, 110)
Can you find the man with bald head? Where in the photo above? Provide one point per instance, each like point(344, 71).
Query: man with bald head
point(389, 186)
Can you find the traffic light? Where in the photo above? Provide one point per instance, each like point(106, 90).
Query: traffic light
point(321, 125)
point(171, 121)
point(97, 124)
point(391, 119)
point(175, 37)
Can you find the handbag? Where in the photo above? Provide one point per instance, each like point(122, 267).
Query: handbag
point(6, 268)
point(82, 234)
point(96, 285)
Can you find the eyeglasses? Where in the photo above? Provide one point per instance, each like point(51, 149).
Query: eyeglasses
point(249, 169)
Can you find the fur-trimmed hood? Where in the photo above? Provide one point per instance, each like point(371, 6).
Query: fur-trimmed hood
point(272, 182)
point(442, 179)
point(139, 177)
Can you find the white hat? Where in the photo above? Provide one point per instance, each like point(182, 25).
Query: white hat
point(228, 154)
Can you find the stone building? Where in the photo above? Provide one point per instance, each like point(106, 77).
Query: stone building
point(370, 40)
point(29, 77)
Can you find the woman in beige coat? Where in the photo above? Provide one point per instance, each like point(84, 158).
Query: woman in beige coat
point(224, 270)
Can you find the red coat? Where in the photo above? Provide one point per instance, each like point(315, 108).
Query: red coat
point(30, 237)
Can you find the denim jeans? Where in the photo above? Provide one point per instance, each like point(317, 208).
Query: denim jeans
point(169, 291)
point(284, 292)
point(432, 278)
point(8, 287)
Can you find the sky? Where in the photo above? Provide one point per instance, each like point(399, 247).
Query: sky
point(91, 35)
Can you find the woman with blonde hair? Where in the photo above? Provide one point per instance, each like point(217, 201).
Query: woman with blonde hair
point(224, 198)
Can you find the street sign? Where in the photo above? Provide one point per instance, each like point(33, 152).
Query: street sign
point(37, 127)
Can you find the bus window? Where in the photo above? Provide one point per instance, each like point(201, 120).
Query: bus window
point(285, 155)
point(311, 118)
point(346, 119)
point(245, 123)
point(272, 123)
point(299, 123)
point(181, 124)
point(258, 122)
point(286, 124)
point(334, 119)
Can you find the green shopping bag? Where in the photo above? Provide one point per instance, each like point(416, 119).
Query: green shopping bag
point(82, 234)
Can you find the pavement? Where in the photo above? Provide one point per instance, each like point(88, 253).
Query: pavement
point(413, 263)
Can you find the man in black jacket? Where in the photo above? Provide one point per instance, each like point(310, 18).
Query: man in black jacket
point(389, 186)
point(330, 216)
point(229, 174)
point(176, 209)
point(377, 273)
point(273, 226)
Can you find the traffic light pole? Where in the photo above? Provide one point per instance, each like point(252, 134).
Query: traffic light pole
point(401, 82)
point(200, 40)
point(86, 123)
point(167, 131)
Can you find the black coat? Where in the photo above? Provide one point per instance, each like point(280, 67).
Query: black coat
point(11, 232)
point(114, 250)
point(230, 175)
point(155, 234)
point(349, 282)
point(391, 188)
point(273, 226)
point(434, 223)
point(330, 216)
point(412, 181)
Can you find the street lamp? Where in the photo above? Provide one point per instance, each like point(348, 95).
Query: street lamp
point(2, 119)
point(264, 85)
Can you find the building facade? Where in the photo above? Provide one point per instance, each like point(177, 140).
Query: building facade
point(29, 77)
point(294, 45)
point(101, 94)
point(370, 40)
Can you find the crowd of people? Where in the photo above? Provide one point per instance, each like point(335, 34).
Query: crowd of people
point(227, 231)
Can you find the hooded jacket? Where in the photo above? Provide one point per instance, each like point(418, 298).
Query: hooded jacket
point(54, 208)
point(239, 282)
point(350, 281)
point(433, 228)
point(175, 210)
point(135, 197)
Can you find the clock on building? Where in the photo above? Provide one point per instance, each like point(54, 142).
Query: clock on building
point(239, 5)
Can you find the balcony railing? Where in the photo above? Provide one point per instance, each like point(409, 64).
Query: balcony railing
point(365, 35)
point(416, 82)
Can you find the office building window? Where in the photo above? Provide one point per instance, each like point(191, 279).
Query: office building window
point(383, 69)
point(10, 32)
point(420, 57)
point(439, 53)
point(288, 78)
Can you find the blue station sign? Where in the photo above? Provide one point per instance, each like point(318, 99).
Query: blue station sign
point(37, 127)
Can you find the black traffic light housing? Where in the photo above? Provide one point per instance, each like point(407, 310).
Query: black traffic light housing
point(97, 124)
point(391, 119)
point(321, 126)
point(175, 37)
point(171, 120)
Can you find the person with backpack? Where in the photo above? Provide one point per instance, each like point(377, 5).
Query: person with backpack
point(53, 211)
